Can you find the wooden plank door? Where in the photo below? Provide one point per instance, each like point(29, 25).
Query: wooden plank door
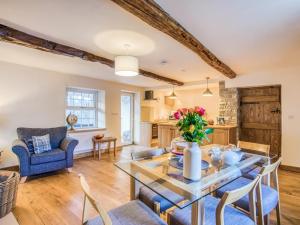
point(260, 116)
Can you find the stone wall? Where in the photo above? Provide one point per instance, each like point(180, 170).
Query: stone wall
point(229, 104)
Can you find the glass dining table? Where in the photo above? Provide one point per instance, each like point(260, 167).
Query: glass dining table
point(159, 173)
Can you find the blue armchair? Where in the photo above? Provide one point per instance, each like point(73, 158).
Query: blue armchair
point(60, 156)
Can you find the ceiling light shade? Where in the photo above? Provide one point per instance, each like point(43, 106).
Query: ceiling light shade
point(126, 65)
point(172, 95)
point(207, 92)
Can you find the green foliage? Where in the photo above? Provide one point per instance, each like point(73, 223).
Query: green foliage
point(192, 128)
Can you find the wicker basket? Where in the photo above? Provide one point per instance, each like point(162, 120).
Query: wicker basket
point(8, 191)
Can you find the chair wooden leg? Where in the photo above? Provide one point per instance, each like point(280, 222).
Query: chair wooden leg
point(23, 180)
point(278, 214)
point(260, 218)
point(267, 219)
point(157, 208)
point(168, 218)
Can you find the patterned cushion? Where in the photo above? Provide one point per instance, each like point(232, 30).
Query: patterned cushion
point(269, 195)
point(41, 143)
point(252, 174)
point(232, 216)
point(49, 156)
point(29, 144)
point(149, 197)
point(132, 213)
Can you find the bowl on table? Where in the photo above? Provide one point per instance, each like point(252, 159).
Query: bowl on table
point(99, 136)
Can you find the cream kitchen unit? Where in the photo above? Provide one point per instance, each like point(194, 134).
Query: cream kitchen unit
point(223, 134)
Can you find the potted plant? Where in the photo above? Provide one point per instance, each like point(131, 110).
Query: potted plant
point(192, 127)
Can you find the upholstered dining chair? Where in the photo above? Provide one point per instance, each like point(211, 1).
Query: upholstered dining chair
point(218, 212)
point(257, 148)
point(134, 212)
point(267, 196)
point(150, 198)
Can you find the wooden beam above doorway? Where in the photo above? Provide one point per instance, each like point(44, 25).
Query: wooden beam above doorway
point(11, 35)
point(151, 13)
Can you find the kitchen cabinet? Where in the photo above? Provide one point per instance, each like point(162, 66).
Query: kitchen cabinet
point(222, 135)
point(146, 134)
point(166, 133)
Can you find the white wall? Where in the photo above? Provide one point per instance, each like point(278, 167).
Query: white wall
point(31, 97)
point(187, 98)
point(289, 79)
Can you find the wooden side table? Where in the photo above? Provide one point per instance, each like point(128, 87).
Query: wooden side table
point(98, 142)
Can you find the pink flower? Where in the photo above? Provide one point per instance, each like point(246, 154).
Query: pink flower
point(177, 115)
point(200, 110)
point(184, 111)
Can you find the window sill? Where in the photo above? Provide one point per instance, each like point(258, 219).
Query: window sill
point(86, 130)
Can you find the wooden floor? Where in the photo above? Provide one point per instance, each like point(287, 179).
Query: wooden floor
point(57, 198)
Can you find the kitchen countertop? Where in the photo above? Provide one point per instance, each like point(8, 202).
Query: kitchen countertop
point(217, 126)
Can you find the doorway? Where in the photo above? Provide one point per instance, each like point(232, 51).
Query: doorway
point(260, 116)
point(127, 118)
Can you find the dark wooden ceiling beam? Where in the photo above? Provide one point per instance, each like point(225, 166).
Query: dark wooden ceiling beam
point(151, 13)
point(14, 36)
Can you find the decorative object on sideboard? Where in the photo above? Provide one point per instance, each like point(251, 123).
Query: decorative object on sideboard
point(192, 125)
point(99, 136)
point(210, 122)
point(220, 120)
point(71, 120)
point(207, 92)
point(8, 188)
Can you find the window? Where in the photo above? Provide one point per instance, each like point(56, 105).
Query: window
point(88, 106)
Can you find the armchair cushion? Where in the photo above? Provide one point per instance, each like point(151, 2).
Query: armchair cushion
point(57, 134)
point(29, 144)
point(49, 156)
point(41, 143)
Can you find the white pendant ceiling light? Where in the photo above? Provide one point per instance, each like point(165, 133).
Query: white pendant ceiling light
point(126, 65)
point(207, 92)
point(172, 95)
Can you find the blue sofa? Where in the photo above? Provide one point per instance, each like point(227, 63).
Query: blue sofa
point(60, 156)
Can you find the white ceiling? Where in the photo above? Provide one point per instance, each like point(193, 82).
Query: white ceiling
point(247, 35)
point(77, 23)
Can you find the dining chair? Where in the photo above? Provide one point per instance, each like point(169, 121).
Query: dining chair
point(218, 211)
point(267, 197)
point(257, 148)
point(135, 212)
point(155, 201)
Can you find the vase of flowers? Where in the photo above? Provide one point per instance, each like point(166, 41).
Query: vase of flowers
point(192, 127)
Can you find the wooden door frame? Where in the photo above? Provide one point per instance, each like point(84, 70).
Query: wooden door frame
point(240, 113)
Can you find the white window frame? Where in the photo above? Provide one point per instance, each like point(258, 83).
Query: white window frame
point(99, 106)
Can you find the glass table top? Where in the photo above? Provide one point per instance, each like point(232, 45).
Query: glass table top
point(161, 176)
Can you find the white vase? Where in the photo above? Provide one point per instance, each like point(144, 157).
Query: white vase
point(192, 162)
